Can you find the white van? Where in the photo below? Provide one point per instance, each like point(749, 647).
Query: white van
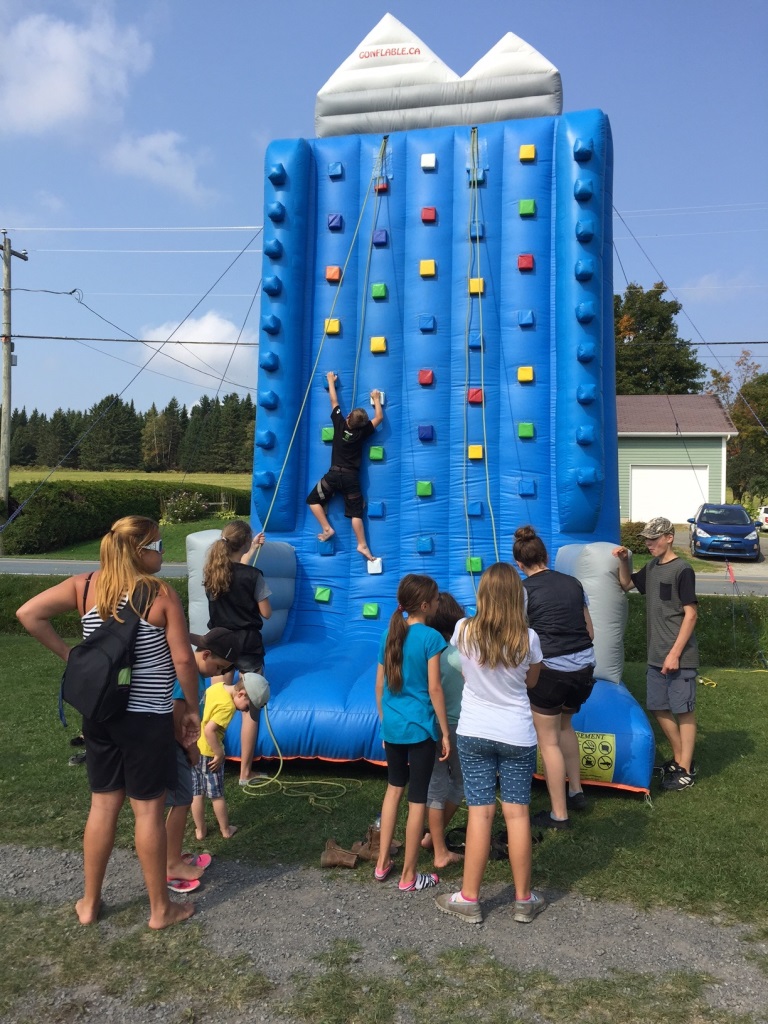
point(762, 517)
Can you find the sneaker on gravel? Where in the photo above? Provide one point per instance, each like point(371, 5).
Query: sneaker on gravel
point(526, 910)
point(545, 820)
point(576, 802)
point(677, 781)
point(454, 904)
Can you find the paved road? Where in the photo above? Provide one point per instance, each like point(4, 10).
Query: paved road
point(751, 577)
point(65, 567)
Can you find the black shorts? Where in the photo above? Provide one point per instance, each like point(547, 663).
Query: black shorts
point(134, 751)
point(411, 764)
point(347, 481)
point(558, 691)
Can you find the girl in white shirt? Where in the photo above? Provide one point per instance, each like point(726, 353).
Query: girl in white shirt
point(500, 661)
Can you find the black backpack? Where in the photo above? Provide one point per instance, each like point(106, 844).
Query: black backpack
point(97, 679)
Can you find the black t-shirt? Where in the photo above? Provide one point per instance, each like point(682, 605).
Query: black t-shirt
point(348, 442)
point(556, 612)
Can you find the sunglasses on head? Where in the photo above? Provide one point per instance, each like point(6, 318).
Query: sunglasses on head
point(155, 545)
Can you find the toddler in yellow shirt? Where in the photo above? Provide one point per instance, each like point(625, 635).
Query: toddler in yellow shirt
point(221, 702)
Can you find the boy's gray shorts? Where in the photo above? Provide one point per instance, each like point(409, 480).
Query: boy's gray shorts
point(182, 795)
point(675, 692)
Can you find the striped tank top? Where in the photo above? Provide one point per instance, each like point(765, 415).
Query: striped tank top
point(153, 673)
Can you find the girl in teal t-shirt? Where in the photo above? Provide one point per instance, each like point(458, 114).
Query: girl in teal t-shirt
point(411, 706)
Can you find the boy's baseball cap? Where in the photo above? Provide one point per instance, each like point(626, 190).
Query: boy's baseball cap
point(222, 642)
point(657, 528)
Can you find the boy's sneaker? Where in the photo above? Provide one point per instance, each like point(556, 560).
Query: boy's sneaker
point(577, 802)
point(454, 904)
point(671, 767)
point(545, 820)
point(526, 910)
point(677, 780)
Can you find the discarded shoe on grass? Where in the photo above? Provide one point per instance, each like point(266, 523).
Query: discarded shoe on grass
point(333, 856)
point(368, 848)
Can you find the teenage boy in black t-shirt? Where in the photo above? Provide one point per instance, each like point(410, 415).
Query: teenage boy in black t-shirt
point(350, 434)
point(669, 584)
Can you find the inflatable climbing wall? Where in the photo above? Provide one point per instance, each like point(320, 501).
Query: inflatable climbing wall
point(464, 272)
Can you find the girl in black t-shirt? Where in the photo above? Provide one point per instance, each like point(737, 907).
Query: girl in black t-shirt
point(238, 599)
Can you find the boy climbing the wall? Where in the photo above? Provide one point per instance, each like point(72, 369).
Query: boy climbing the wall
point(669, 584)
point(350, 434)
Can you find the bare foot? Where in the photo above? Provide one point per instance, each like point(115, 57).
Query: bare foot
point(326, 534)
point(175, 914)
point(230, 832)
point(450, 858)
point(426, 841)
point(200, 836)
point(183, 870)
point(365, 551)
point(86, 912)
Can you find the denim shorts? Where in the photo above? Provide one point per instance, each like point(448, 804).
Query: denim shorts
point(181, 796)
point(482, 761)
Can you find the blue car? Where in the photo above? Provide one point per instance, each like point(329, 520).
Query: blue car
point(725, 531)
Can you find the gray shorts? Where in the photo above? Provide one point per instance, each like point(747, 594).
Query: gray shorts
point(447, 782)
point(182, 795)
point(675, 692)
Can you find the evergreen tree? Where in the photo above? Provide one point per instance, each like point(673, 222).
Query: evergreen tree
point(114, 438)
point(56, 440)
point(650, 358)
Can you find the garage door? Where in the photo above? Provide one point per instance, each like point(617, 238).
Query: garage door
point(672, 491)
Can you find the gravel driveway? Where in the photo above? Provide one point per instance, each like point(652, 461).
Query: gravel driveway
point(282, 916)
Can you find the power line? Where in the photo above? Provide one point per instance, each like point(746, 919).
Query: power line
point(158, 341)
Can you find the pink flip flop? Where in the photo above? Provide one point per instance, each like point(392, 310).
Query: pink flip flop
point(183, 884)
point(197, 860)
point(382, 876)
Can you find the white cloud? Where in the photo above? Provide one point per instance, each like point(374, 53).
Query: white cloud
point(160, 159)
point(718, 288)
point(55, 74)
point(206, 363)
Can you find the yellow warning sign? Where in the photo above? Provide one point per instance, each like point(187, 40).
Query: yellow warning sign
point(597, 752)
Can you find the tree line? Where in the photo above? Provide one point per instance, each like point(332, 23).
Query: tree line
point(215, 436)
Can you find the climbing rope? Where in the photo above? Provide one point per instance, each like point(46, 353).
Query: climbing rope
point(322, 795)
point(374, 174)
point(474, 269)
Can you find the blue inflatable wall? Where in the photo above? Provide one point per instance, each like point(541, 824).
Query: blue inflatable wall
point(466, 273)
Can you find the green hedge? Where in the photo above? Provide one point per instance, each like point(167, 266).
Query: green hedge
point(730, 631)
point(63, 513)
point(15, 590)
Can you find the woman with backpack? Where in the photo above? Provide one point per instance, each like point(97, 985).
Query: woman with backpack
point(130, 754)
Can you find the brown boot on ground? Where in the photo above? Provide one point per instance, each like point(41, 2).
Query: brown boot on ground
point(368, 848)
point(334, 857)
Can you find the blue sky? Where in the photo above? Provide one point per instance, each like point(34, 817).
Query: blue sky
point(135, 119)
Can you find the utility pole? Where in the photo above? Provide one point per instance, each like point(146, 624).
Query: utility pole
point(8, 360)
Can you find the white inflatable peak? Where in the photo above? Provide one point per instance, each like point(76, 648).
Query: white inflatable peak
point(394, 82)
point(388, 46)
point(510, 56)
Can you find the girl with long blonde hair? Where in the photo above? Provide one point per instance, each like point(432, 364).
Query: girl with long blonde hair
point(238, 599)
point(411, 706)
point(500, 661)
point(132, 754)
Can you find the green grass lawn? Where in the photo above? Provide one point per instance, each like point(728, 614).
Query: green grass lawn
point(19, 474)
point(704, 850)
